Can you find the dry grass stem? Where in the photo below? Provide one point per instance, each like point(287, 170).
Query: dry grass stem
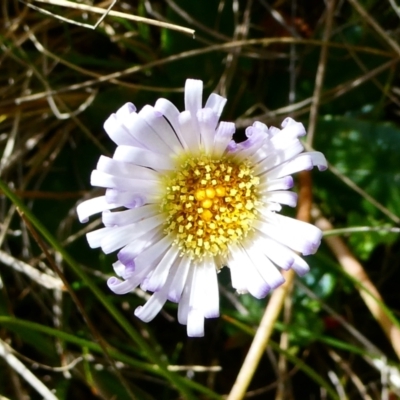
point(118, 14)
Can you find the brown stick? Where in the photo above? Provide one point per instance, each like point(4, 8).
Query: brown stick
point(368, 292)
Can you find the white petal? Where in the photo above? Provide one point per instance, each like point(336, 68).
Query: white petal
point(318, 159)
point(100, 179)
point(276, 252)
point(93, 206)
point(126, 217)
point(118, 133)
point(143, 157)
point(153, 254)
point(129, 199)
point(119, 268)
point(208, 121)
point(121, 287)
point(94, 238)
point(300, 266)
point(279, 157)
point(195, 323)
point(282, 197)
point(120, 236)
point(183, 306)
point(216, 102)
point(190, 131)
point(152, 307)
point(160, 274)
point(223, 136)
point(172, 114)
point(128, 253)
point(303, 162)
point(292, 125)
point(275, 184)
point(193, 95)
point(177, 285)
point(158, 123)
point(255, 152)
point(295, 234)
point(264, 266)
point(125, 170)
point(145, 135)
point(238, 275)
point(125, 110)
point(211, 295)
point(254, 283)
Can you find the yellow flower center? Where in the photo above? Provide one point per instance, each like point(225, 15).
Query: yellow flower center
point(210, 203)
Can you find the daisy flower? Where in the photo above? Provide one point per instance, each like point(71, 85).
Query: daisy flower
point(183, 200)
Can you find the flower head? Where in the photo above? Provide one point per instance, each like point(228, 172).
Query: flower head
point(190, 200)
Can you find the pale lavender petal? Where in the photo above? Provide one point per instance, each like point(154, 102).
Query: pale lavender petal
point(144, 133)
point(183, 306)
point(119, 237)
point(100, 179)
point(295, 234)
point(171, 113)
point(124, 271)
point(119, 268)
point(279, 157)
point(127, 254)
point(299, 265)
point(153, 254)
point(318, 159)
point(254, 283)
point(143, 157)
point(223, 137)
point(195, 323)
point(160, 274)
point(282, 197)
point(279, 254)
point(193, 95)
point(126, 170)
point(261, 127)
point(152, 307)
point(265, 268)
point(121, 287)
point(216, 103)
point(273, 131)
point(211, 295)
point(158, 123)
point(118, 133)
point(208, 121)
point(94, 238)
point(129, 199)
point(121, 218)
point(176, 288)
point(303, 162)
point(283, 183)
point(238, 274)
point(125, 110)
point(290, 124)
point(190, 131)
point(93, 206)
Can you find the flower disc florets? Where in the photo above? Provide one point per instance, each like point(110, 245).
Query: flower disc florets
point(211, 203)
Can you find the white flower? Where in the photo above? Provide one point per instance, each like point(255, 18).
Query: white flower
point(191, 201)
